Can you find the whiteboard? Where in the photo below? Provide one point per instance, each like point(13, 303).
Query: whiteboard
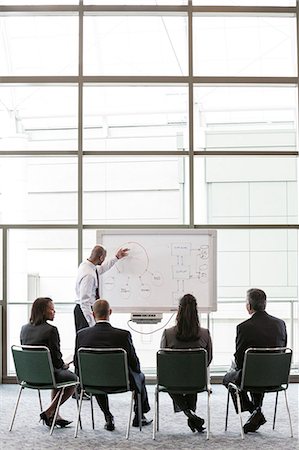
point(162, 265)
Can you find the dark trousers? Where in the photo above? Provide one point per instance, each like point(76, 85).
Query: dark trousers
point(234, 376)
point(63, 375)
point(103, 403)
point(182, 402)
point(137, 383)
point(80, 320)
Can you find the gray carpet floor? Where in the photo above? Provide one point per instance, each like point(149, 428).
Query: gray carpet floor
point(29, 433)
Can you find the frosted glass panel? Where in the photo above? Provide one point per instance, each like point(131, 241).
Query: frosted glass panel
point(260, 190)
point(41, 2)
point(135, 2)
point(135, 190)
point(38, 117)
point(245, 118)
point(264, 258)
point(1, 265)
point(135, 117)
point(245, 2)
point(244, 46)
point(42, 190)
point(48, 265)
point(135, 45)
point(39, 45)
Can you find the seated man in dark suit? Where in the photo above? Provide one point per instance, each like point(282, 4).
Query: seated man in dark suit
point(104, 335)
point(261, 330)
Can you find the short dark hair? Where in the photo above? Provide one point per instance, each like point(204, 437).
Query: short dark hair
point(101, 308)
point(39, 310)
point(98, 251)
point(257, 299)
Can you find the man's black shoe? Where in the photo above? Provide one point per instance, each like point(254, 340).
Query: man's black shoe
point(109, 425)
point(144, 421)
point(256, 419)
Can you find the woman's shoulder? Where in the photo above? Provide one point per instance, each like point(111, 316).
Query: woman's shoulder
point(44, 327)
point(205, 334)
point(170, 331)
point(50, 327)
point(49, 331)
point(204, 331)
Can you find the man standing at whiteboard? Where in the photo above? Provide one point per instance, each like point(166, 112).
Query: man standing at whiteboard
point(88, 283)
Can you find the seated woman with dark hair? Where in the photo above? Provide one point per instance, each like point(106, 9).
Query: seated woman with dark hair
point(187, 333)
point(39, 332)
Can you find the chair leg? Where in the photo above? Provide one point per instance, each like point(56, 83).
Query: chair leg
point(15, 410)
point(79, 412)
point(56, 410)
point(40, 401)
point(287, 405)
point(139, 410)
point(155, 414)
point(227, 408)
point(275, 409)
point(130, 416)
point(208, 411)
point(92, 414)
point(158, 412)
point(240, 414)
point(77, 401)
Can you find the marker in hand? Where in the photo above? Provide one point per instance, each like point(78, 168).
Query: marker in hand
point(122, 252)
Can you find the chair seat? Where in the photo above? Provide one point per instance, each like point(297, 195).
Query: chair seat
point(49, 386)
point(180, 390)
point(261, 389)
point(104, 390)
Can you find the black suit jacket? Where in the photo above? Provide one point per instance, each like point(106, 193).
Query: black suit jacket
point(104, 335)
point(261, 330)
point(44, 334)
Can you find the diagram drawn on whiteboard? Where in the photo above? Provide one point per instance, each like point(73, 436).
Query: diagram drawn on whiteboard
point(159, 270)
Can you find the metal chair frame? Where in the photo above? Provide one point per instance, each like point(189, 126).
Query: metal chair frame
point(202, 385)
point(94, 389)
point(27, 381)
point(280, 353)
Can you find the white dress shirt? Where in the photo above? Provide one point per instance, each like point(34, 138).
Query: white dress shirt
point(87, 283)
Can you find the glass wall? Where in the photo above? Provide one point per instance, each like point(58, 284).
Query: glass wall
point(148, 113)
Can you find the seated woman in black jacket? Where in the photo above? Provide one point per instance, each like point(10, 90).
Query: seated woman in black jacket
point(39, 332)
point(187, 333)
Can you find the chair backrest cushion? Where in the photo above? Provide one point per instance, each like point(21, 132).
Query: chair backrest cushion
point(33, 365)
point(182, 370)
point(106, 368)
point(266, 368)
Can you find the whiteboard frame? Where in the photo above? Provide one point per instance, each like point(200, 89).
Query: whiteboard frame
point(100, 235)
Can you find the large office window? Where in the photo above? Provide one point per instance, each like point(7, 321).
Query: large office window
point(148, 113)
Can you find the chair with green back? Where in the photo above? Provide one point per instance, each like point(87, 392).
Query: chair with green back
point(104, 371)
point(34, 370)
point(182, 371)
point(264, 370)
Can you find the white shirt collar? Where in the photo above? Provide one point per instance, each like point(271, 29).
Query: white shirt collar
point(91, 264)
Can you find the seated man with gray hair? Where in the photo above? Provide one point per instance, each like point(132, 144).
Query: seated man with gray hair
point(260, 330)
